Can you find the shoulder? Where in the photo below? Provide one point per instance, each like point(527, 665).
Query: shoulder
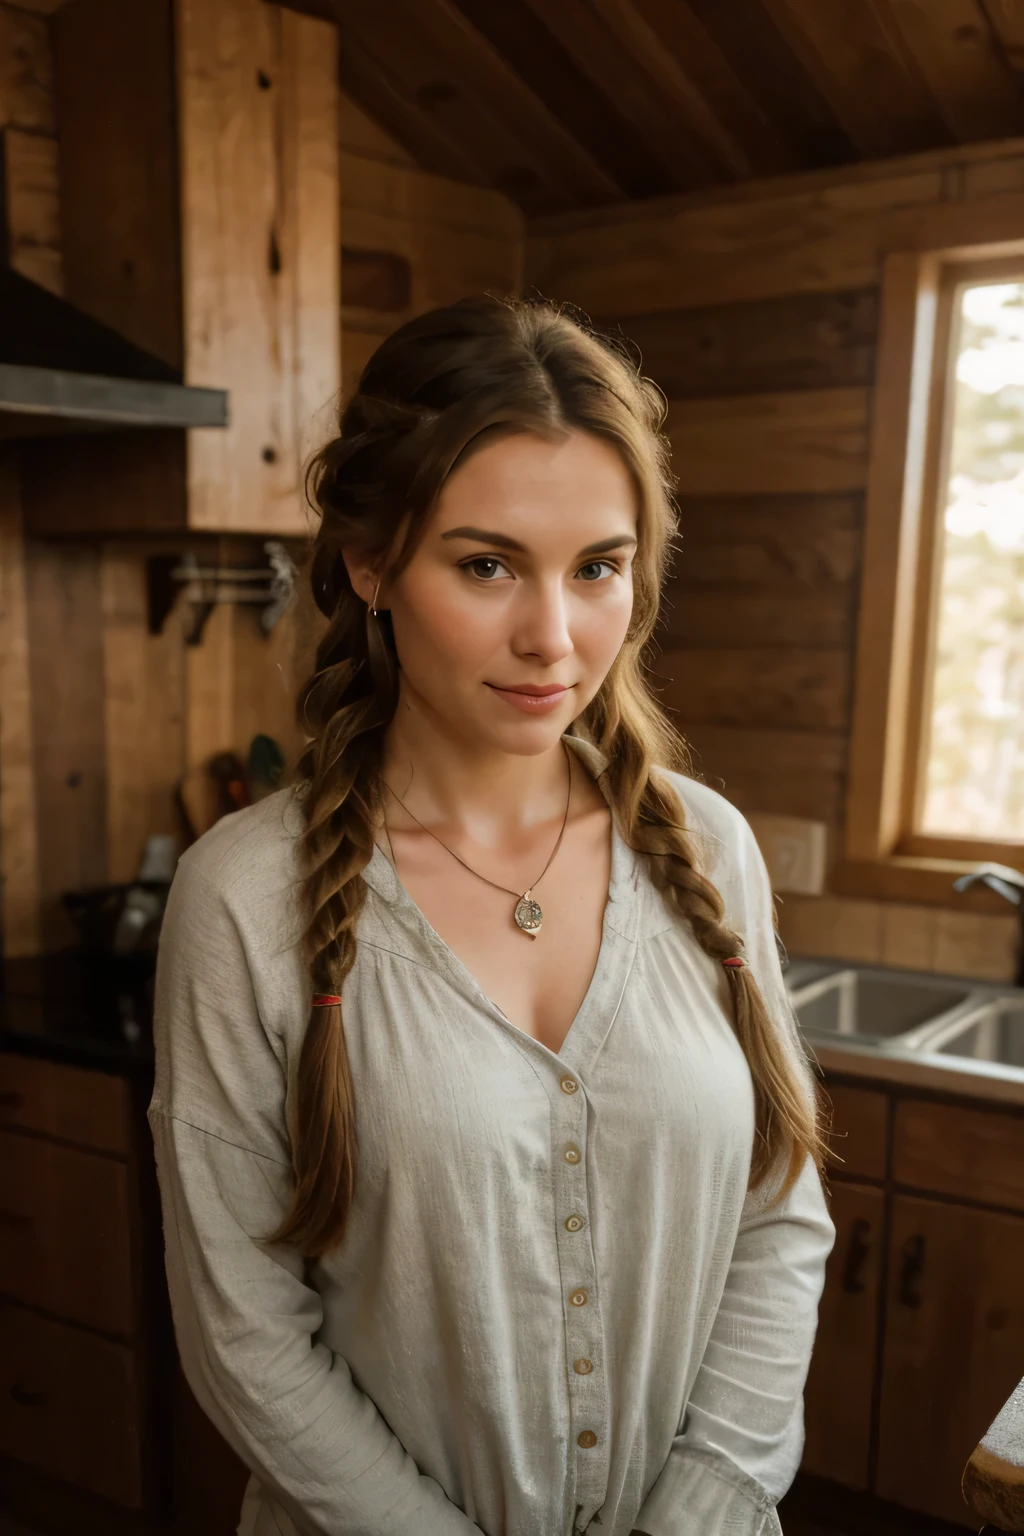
point(728, 854)
point(251, 855)
point(724, 837)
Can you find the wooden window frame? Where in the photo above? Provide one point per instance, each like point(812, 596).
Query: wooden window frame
point(883, 855)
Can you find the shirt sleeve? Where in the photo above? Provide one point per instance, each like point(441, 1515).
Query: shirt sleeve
point(742, 1436)
point(244, 1318)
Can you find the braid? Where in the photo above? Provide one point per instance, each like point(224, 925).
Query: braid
point(654, 824)
point(347, 704)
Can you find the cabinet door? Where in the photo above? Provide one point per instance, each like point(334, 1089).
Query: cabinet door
point(860, 1130)
point(954, 1347)
point(837, 1399)
point(69, 1405)
point(64, 1225)
point(92, 1108)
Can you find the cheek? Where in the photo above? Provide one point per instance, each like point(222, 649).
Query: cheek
point(434, 622)
point(600, 628)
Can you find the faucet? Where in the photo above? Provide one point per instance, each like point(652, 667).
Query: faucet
point(1008, 883)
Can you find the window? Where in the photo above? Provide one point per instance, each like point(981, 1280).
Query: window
point(972, 760)
point(937, 753)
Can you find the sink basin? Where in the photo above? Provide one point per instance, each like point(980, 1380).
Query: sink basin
point(903, 1017)
point(993, 1030)
point(896, 1008)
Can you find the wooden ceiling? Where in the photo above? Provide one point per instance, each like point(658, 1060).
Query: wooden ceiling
point(566, 104)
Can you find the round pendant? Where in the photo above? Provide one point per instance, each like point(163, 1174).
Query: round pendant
point(529, 915)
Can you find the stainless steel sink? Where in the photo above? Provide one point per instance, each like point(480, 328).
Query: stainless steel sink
point(990, 1029)
point(877, 1006)
point(913, 1026)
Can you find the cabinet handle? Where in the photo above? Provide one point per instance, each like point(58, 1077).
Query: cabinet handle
point(26, 1397)
point(911, 1270)
point(856, 1255)
point(10, 1098)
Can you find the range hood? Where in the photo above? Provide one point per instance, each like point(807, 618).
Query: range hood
point(63, 372)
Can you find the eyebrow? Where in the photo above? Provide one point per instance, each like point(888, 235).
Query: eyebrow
point(502, 540)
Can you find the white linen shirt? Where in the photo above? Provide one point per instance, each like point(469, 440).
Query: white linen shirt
point(556, 1308)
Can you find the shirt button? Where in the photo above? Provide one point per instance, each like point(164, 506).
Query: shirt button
point(587, 1438)
point(569, 1085)
point(574, 1223)
point(583, 1367)
point(572, 1153)
point(578, 1298)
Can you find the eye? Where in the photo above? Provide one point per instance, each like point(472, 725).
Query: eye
point(481, 560)
point(592, 565)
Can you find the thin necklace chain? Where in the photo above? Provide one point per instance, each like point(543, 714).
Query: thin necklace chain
point(454, 855)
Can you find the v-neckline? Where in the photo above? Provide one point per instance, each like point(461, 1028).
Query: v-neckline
point(614, 957)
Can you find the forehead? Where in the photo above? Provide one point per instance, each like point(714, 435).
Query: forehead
point(524, 472)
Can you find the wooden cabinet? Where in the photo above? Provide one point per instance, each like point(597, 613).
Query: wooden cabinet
point(954, 1347)
point(840, 1383)
point(838, 1396)
point(83, 1327)
point(48, 1097)
point(65, 1218)
point(860, 1130)
point(921, 1323)
point(969, 1154)
point(70, 1406)
point(200, 219)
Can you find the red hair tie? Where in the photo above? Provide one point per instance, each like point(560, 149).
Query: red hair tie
point(326, 1000)
point(735, 961)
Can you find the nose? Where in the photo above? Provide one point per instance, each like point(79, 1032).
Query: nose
point(542, 621)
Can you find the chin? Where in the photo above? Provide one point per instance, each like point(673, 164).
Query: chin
point(532, 736)
point(521, 738)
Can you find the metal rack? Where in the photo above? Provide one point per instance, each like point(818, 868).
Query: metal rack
point(168, 577)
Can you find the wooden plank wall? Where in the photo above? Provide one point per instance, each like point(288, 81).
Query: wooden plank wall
point(411, 240)
point(30, 221)
point(757, 312)
point(98, 718)
point(28, 146)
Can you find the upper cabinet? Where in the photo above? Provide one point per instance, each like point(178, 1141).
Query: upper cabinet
point(200, 220)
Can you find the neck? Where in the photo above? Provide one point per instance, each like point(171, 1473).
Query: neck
point(491, 799)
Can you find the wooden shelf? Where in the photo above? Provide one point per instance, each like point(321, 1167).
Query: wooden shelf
point(61, 372)
point(34, 401)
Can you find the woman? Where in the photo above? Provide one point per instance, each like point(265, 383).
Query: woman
point(490, 1159)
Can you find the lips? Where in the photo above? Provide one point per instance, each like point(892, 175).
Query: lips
point(538, 691)
point(535, 699)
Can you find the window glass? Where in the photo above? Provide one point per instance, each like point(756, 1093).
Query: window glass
point(974, 784)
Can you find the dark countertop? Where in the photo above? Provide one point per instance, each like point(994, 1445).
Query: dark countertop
point(66, 1006)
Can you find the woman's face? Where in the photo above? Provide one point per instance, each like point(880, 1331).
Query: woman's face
point(523, 577)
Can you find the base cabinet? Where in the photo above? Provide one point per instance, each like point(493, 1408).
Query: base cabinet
point(84, 1325)
point(920, 1335)
point(70, 1405)
point(954, 1347)
point(838, 1396)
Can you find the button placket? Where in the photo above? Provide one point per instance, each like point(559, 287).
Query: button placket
point(587, 1382)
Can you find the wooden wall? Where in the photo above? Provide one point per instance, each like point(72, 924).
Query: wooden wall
point(28, 162)
point(30, 219)
point(412, 240)
point(98, 718)
point(757, 311)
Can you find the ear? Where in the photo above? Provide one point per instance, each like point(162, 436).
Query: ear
point(361, 574)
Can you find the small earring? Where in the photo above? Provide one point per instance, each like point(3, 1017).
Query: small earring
point(373, 604)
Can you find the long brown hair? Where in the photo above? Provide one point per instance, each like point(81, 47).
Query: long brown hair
point(426, 395)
